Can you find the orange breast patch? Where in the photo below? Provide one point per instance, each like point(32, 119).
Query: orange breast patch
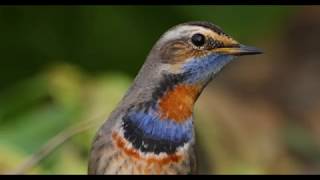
point(177, 104)
point(121, 143)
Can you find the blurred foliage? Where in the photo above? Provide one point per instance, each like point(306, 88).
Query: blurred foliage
point(94, 36)
point(63, 65)
point(51, 101)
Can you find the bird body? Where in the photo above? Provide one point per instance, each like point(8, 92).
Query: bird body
point(151, 131)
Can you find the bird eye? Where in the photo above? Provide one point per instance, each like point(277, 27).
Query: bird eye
point(198, 39)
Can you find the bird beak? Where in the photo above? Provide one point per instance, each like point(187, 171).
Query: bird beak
point(239, 50)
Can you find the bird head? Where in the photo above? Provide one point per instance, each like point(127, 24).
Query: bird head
point(198, 50)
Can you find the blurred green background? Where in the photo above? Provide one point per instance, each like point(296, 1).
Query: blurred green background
point(61, 66)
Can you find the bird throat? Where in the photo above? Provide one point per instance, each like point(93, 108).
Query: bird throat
point(177, 104)
point(164, 123)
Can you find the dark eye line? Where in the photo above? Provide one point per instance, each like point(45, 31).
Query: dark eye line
point(215, 43)
point(219, 44)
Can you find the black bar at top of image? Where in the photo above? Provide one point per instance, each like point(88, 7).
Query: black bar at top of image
point(160, 2)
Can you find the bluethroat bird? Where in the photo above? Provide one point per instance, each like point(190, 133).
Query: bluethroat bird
point(152, 131)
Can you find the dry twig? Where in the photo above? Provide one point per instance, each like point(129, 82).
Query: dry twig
point(52, 145)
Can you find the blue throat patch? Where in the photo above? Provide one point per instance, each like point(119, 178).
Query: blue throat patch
point(162, 129)
point(203, 68)
point(148, 133)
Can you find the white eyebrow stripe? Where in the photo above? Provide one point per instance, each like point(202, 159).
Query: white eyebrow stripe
point(181, 31)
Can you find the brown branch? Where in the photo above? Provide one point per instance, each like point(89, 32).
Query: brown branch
point(52, 145)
